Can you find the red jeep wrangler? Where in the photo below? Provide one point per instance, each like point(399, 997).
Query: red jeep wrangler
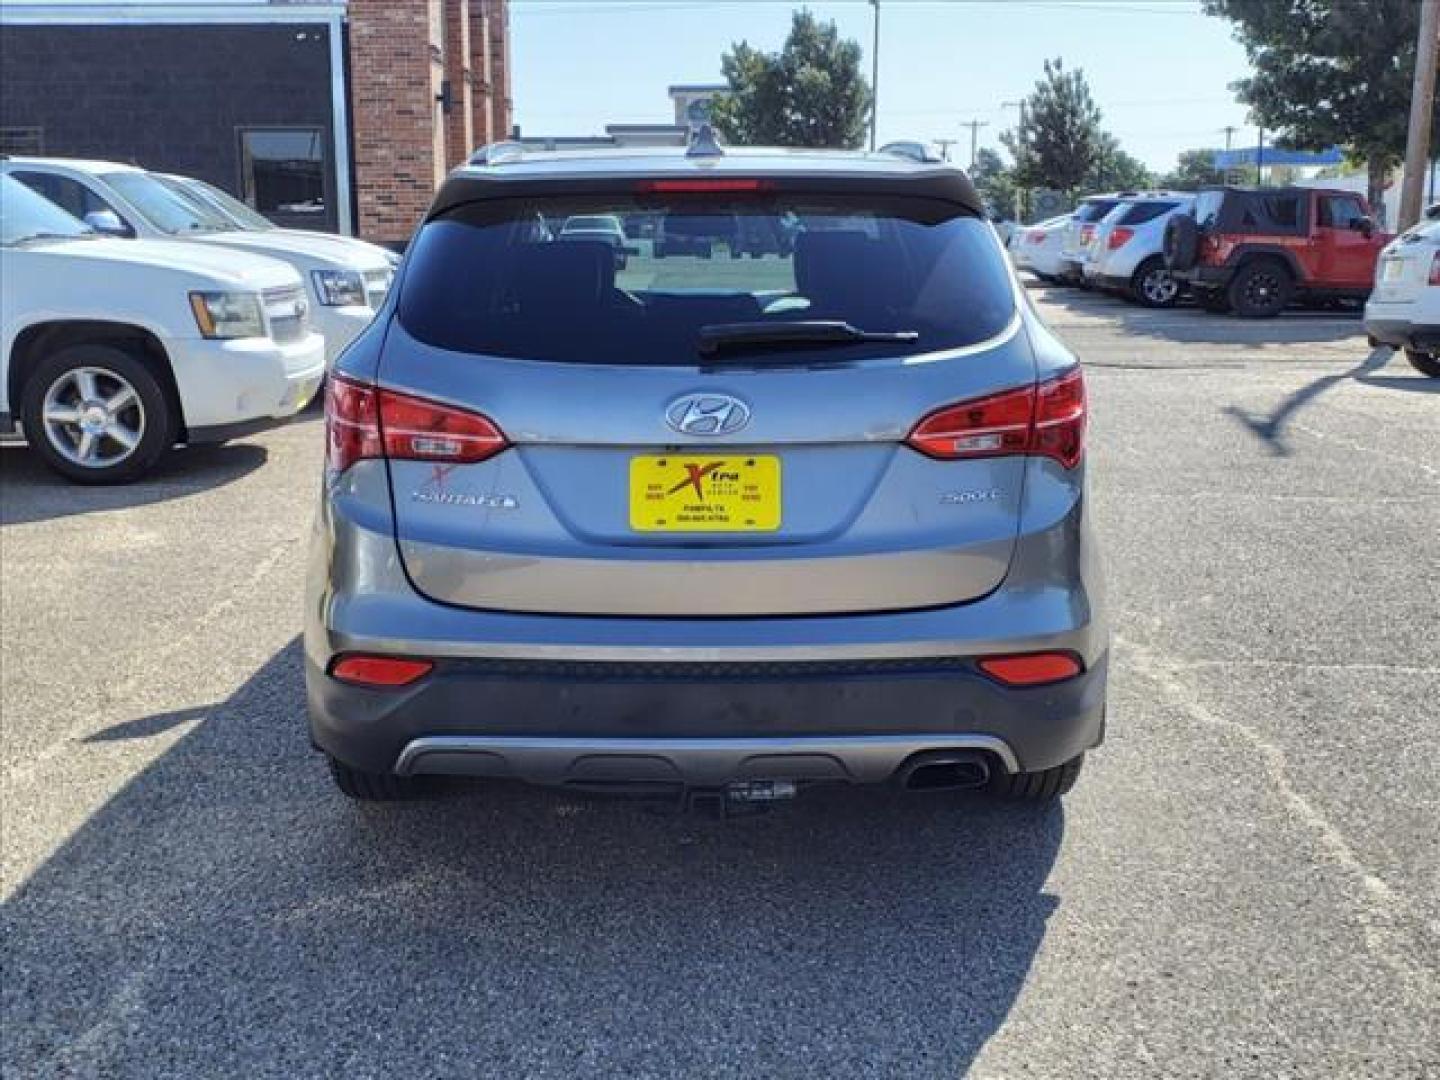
point(1253, 250)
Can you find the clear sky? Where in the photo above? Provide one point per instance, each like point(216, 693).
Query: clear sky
point(1159, 69)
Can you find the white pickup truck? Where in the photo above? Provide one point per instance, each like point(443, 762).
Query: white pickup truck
point(113, 351)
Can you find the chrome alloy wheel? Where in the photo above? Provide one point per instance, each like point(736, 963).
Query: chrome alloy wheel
point(93, 417)
point(1158, 287)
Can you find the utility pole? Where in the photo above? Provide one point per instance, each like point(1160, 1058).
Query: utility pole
point(945, 145)
point(974, 126)
point(1260, 159)
point(1229, 130)
point(875, 74)
point(1024, 206)
point(1422, 101)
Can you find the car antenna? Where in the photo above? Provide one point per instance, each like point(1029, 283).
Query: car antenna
point(703, 143)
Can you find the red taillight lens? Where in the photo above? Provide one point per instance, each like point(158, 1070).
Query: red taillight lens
point(1435, 269)
point(365, 422)
point(1046, 420)
point(1035, 236)
point(1032, 669)
point(1119, 238)
point(1087, 233)
point(352, 423)
point(385, 671)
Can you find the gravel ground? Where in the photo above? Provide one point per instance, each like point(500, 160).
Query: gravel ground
point(1246, 882)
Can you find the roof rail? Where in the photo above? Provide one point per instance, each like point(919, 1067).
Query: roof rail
point(703, 143)
point(911, 151)
point(497, 152)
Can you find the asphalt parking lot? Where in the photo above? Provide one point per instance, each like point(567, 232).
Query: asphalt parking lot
point(1246, 882)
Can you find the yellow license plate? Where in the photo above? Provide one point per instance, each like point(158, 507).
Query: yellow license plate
point(704, 493)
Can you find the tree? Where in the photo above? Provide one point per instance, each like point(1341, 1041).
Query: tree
point(995, 183)
point(1058, 139)
point(1193, 169)
point(1114, 169)
point(1330, 72)
point(810, 93)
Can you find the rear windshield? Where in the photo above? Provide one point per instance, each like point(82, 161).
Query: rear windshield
point(1141, 212)
point(1094, 209)
point(494, 277)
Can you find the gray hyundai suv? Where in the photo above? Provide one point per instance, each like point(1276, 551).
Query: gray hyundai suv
point(722, 524)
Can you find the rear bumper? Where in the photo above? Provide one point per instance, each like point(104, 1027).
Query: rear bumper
point(1204, 277)
point(701, 724)
point(1402, 333)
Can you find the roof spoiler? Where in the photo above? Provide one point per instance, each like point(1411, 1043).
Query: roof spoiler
point(912, 151)
point(496, 153)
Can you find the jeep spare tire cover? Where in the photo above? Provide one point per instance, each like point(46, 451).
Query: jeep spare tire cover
point(1182, 242)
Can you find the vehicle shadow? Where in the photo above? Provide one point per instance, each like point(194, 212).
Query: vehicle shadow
point(30, 492)
point(1187, 324)
point(1270, 428)
point(229, 913)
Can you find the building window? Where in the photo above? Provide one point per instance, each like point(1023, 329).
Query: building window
point(282, 170)
point(22, 140)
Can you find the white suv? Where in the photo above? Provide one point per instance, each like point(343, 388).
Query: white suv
point(346, 280)
point(1404, 309)
point(112, 351)
point(1127, 250)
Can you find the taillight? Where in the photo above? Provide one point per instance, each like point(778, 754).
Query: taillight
point(1087, 233)
point(1035, 236)
point(1119, 238)
point(367, 422)
point(1032, 669)
point(381, 671)
point(704, 185)
point(1044, 420)
point(1435, 269)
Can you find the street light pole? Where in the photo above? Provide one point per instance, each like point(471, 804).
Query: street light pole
point(875, 74)
point(1422, 101)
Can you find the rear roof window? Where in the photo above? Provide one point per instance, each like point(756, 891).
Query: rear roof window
point(1095, 209)
point(501, 278)
point(1140, 212)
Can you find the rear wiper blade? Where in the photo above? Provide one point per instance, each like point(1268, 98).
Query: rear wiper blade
point(719, 337)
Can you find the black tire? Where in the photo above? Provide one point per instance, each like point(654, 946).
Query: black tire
point(1261, 289)
point(374, 787)
point(1425, 363)
point(110, 368)
point(1037, 787)
point(1152, 285)
point(1213, 300)
point(1181, 246)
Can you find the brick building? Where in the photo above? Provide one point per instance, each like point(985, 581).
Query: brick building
point(341, 115)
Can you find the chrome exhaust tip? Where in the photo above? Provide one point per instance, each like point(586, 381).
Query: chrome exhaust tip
point(945, 771)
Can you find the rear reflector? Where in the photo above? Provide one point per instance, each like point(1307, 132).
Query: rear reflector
point(1032, 669)
point(366, 422)
point(695, 187)
point(1044, 420)
point(379, 670)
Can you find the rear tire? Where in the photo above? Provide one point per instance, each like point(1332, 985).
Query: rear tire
point(1038, 787)
point(1261, 289)
point(1152, 285)
point(373, 787)
point(1425, 363)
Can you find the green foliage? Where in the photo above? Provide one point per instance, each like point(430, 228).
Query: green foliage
point(1330, 72)
point(995, 183)
point(1058, 141)
point(1114, 169)
point(811, 93)
point(1193, 169)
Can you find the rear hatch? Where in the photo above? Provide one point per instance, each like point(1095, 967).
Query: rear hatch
point(678, 440)
point(1404, 270)
point(1081, 228)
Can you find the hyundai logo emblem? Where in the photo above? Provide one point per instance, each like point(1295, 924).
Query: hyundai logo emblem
point(707, 414)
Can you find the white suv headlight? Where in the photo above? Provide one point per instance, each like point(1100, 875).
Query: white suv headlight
point(340, 288)
point(228, 314)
